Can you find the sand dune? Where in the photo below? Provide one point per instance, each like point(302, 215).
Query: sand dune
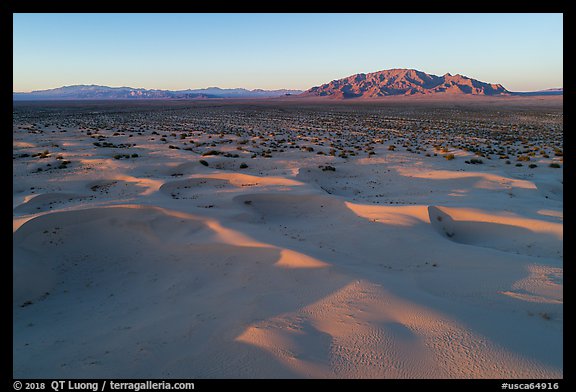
point(304, 264)
point(507, 233)
point(47, 201)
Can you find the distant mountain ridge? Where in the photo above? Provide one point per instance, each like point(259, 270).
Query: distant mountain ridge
point(105, 92)
point(392, 82)
point(403, 82)
point(550, 91)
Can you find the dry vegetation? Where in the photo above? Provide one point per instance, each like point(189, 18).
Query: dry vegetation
point(244, 129)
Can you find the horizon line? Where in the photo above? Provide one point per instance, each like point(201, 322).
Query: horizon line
point(220, 88)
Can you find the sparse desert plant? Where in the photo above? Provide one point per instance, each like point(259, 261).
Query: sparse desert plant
point(203, 162)
point(243, 165)
point(391, 147)
point(476, 161)
point(64, 164)
point(555, 165)
point(532, 165)
point(449, 157)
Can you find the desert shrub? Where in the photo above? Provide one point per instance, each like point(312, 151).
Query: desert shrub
point(391, 147)
point(555, 165)
point(449, 157)
point(519, 164)
point(532, 165)
point(203, 162)
point(134, 155)
point(211, 152)
point(243, 165)
point(546, 316)
point(523, 158)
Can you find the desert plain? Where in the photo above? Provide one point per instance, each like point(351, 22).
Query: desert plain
point(288, 238)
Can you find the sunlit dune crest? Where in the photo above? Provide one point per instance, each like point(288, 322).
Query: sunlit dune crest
point(397, 215)
point(506, 218)
point(485, 180)
point(291, 259)
point(557, 214)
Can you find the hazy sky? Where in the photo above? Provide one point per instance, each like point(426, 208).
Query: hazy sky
point(523, 52)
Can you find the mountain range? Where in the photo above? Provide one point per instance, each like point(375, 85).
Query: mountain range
point(403, 82)
point(105, 92)
point(391, 82)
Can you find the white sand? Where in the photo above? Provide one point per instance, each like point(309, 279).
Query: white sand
point(395, 266)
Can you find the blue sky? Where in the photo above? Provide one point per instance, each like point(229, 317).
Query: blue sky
point(523, 52)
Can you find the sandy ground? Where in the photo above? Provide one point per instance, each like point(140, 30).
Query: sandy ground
point(395, 265)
